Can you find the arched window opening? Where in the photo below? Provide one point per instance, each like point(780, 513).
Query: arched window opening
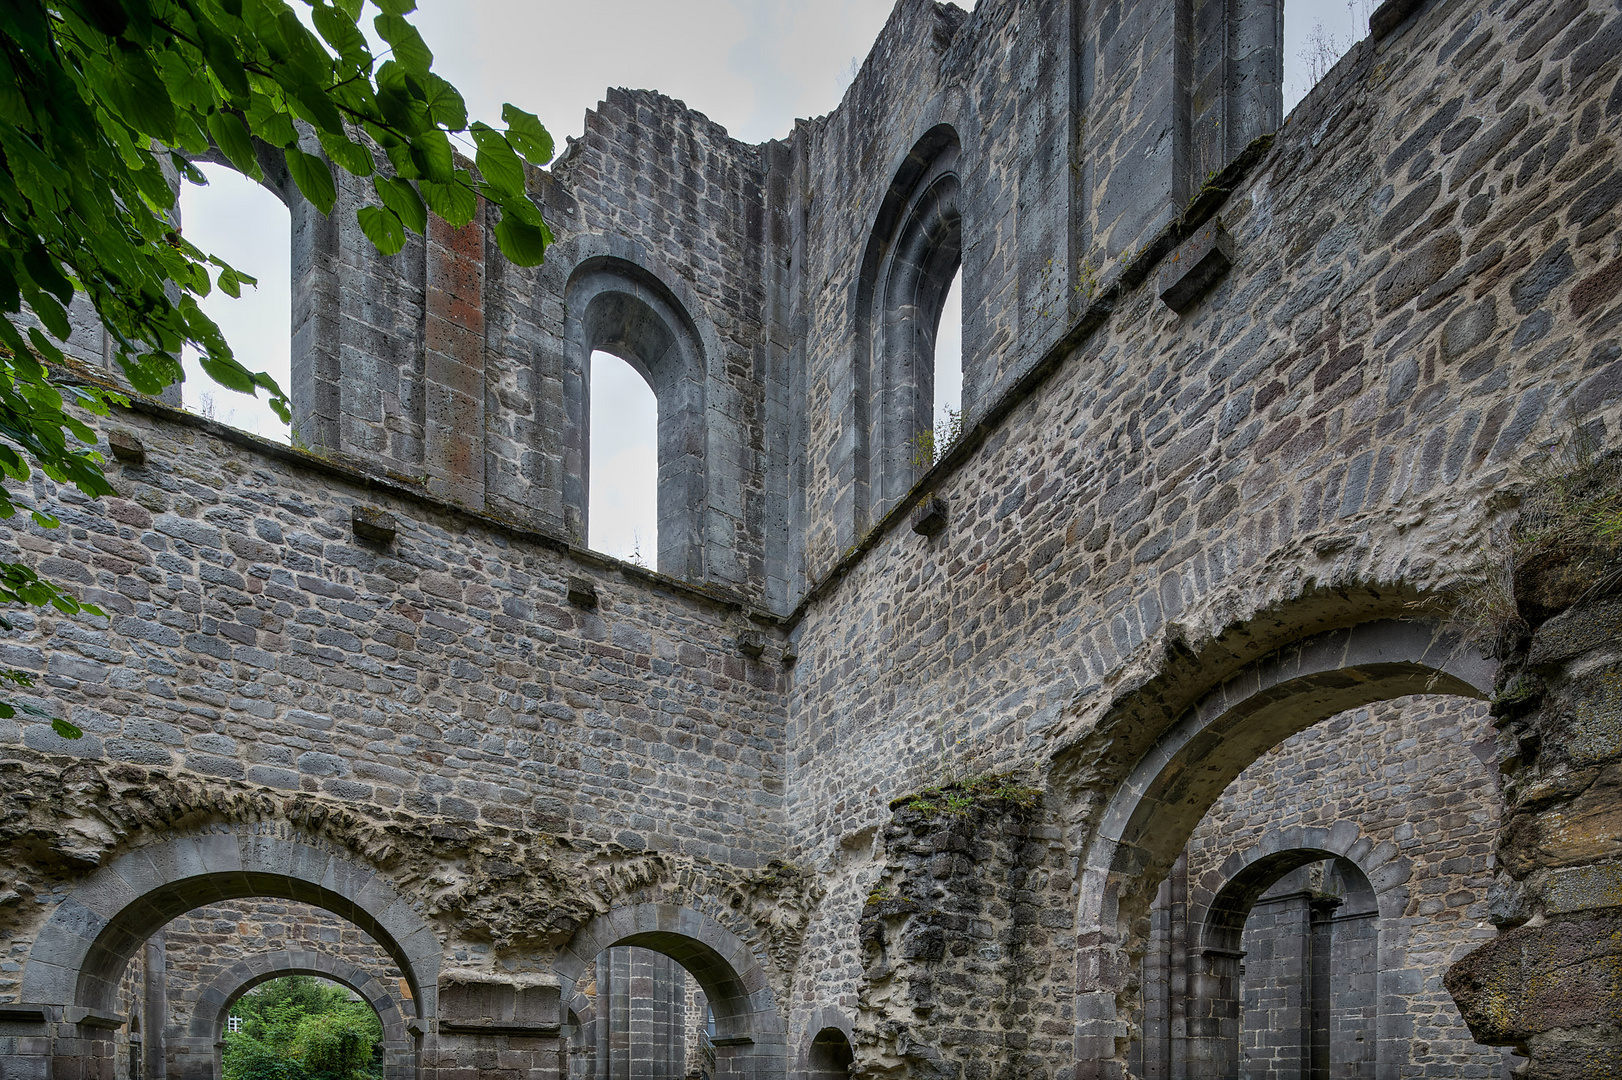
point(908, 271)
point(247, 225)
point(948, 410)
point(1317, 33)
point(624, 456)
point(617, 308)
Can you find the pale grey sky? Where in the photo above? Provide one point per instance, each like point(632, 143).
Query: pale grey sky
point(753, 66)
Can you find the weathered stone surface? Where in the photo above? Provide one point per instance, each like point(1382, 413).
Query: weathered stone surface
point(1151, 511)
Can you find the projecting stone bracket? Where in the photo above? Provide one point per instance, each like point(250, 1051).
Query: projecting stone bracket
point(126, 447)
point(23, 1014)
point(751, 643)
point(930, 518)
point(374, 524)
point(92, 1018)
point(1390, 15)
point(1198, 263)
point(582, 593)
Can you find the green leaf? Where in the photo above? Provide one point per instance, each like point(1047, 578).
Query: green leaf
point(66, 730)
point(235, 143)
point(400, 197)
point(521, 243)
point(314, 106)
point(340, 31)
point(351, 157)
point(396, 7)
point(527, 136)
point(383, 228)
point(223, 60)
point(445, 104)
point(270, 122)
point(139, 95)
point(454, 202)
point(502, 168)
point(314, 178)
point(431, 153)
point(410, 51)
point(46, 274)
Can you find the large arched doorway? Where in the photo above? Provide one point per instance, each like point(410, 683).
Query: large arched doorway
point(76, 965)
point(1153, 811)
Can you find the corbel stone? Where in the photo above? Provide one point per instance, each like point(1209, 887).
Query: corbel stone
point(1390, 15)
point(1197, 264)
point(374, 524)
point(126, 447)
point(751, 643)
point(582, 592)
point(930, 518)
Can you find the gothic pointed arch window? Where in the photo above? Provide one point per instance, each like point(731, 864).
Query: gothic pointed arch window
point(912, 260)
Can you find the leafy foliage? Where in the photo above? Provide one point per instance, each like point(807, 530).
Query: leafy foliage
point(103, 104)
point(301, 1028)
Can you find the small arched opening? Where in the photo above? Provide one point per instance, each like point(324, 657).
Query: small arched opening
point(830, 1056)
point(623, 502)
point(627, 955)
point(304, 982)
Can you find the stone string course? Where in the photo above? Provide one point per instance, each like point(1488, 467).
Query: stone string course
point(1425, 294)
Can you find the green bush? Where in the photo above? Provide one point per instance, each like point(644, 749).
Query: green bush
point(302, 1028)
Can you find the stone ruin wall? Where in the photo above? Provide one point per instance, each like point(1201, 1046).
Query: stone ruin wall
point(1424, 291)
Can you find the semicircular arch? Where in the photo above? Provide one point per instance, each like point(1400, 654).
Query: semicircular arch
point(749, 1027)
point(1153, 810)
point(81, 952)
point(211, 1003)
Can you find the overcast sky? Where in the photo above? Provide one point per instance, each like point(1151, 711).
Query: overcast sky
point(753, 66)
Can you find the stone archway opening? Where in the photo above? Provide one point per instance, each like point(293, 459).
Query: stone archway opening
point(78, 965)
point(297, 978)
point(624, 964)
point(1154, 810)
point(830, 1056)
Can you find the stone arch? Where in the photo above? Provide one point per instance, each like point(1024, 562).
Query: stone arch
point(751, 1039)
point(828, 1052)
point(1220, 903)
point(211, 1006)
point(914, 249)
point(1153, 810)
point(76, 962)
point(618, 305)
